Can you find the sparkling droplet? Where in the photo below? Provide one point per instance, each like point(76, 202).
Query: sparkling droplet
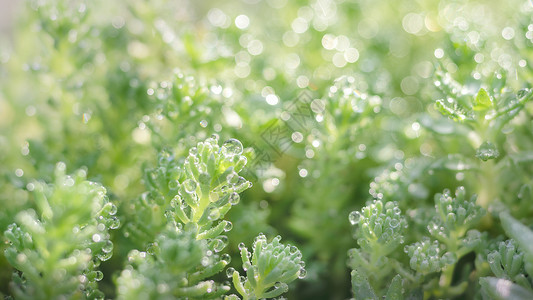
point(228, 226)
point(226, 257)
point(113, 209)
point(213, 215)
point(232, 178)
point(229, 272)
point(232, 147)
point(394, 223)
point(152, 248)
point(98, 276)
point(487, 151)
point(108, 247)
point(193, 151)
point(173, 185)
point(242, 246)
point(354, 217)
point(218, 245)
point(105, 256)
point(302, 273)
point(114, 223)
point(234, 198)
point(190, 186)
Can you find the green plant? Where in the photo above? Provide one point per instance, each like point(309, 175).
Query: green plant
point(389, 142)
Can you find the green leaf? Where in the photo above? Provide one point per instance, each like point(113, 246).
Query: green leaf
point(395, 289)
point(502, 289)
point(522, 235)
point(519, 232)
point(482, 101)
point(361, 287)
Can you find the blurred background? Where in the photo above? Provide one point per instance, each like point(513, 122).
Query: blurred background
point(7, 13)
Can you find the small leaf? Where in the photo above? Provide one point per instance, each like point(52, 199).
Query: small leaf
point(519, 232)
point(453, 110)
point(523, 236)
point(482, 101)
point(502, 289)
point(395, 289)
point(361, 287)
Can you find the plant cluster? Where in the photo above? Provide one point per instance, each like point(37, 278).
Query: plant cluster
point(145, 144)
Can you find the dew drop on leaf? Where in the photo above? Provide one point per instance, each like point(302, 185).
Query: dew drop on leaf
point(193, 151)
point(354, 217)
point(213, 215)
point(234, 198)
point(98, 276)
point(232, 147)
point(487, 151)
point(114, 223)
point(173, 184)
point(228, 226)
point(189, 185)
point(105, 256)
point(226, 257)
point(113, 209)
point(242, 246)
point(229, 272)
point(302, 273)
point(108, 247)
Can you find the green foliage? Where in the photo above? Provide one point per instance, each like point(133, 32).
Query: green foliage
point(174, 266)
point(58, 246)
point(272, 267)
point(355, 121)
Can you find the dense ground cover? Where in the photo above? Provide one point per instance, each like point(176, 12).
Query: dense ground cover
point(267, 148)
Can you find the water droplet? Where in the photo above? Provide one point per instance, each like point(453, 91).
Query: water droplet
point(232, 178)
point(394, 223)
point(113, 209)
point(228, 226)
point(229, 272)
point(487, 151)
point(98, 276)
point(234, 198)
point(491, 258)
point(152, 248)
point(108, 246)
point(97, 237)
point(232, 147)
point(293, 249)
point(114, 223)
point(218, 245)
point(190, 186)
point(242, 246)
point(521, 93)
point(226, 257)
point(246, 266)
point(213, 215)
point(173, 184)
point(193, 151)
point(175, 202)
point(354, 217)
point(105, 256)
point(302, 273)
